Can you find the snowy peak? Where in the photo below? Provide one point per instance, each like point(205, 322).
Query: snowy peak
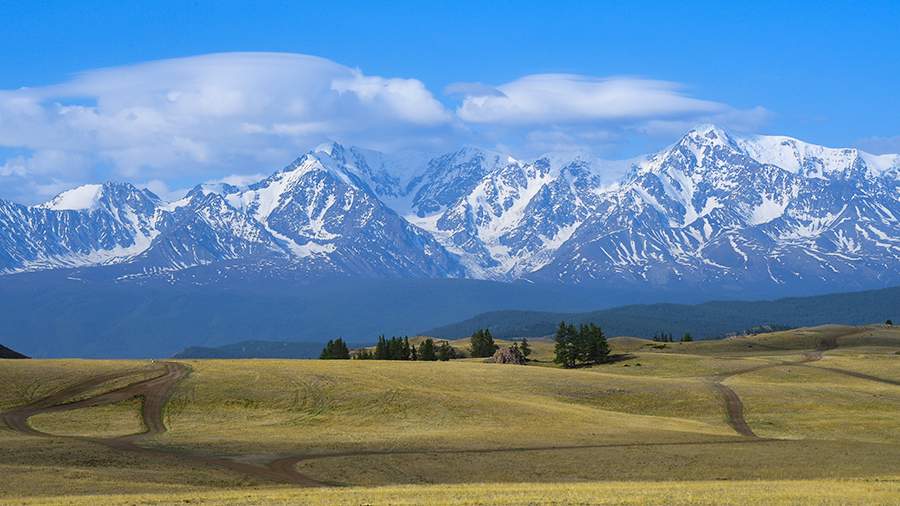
point(708, 135)
point(814, 161)
point(83, 198)
point(801, 158)
point(712, 209)
point(212, 188)
point(91, 197)
point(449, 177)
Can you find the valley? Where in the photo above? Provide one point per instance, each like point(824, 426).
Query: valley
point(763, 419)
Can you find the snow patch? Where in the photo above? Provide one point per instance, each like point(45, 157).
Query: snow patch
point(767, 211)
point(82, 198)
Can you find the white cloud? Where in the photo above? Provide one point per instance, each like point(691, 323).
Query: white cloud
point(565, 112)
point(407, 99)
point(207, 114)
point(174, 122)
point(239, 179)
point(567, 98)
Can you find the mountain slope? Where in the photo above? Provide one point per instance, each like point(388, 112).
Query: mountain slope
point(714, 212)
point(706, 213)
point(89, 225)
point(704, 321)
point(317, 216)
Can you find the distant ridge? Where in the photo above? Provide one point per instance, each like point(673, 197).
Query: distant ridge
point(708, 320)
point(254, 349)
point(8, 353)
point(713, 213)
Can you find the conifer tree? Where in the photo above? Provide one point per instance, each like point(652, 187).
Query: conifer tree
point(381, 349)
point(326, 351)
point(335, 350)
point(340, 351)
point(525, 348)
point(565, 349)
point(445, 352)
point(599, 348)
point(405, 352)
point(583, 345)
point(393, 348)
point(426, 350)
point(481, 344)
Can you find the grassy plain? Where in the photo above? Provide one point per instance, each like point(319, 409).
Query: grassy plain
point(468, 432)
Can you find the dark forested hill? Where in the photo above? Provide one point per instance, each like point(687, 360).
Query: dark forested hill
point(255, 349)
point(704, 321)
point(8, 353)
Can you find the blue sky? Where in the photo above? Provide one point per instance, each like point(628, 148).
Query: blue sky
point(824, 73)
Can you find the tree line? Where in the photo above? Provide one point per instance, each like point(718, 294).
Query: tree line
point(666, 337)
point(399, 348)
point(583, 345)
point(481, 345)
point(574, 346)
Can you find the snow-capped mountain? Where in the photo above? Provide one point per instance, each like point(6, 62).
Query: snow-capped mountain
point(715, 210)
point(317, 215)
point(89, 225)
point(710, 210)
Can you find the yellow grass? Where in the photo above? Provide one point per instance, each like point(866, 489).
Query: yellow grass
point(870, 492)
point(275, 406)
point(469, 432)
point(24, 381)
point(118, 419)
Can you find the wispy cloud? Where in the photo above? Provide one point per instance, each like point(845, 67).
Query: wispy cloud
point(565, 111)
point(881, 145)
point(567, 98)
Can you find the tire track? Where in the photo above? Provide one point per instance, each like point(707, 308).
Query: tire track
point(734, 407)
point(855, 374)
point(155, 394)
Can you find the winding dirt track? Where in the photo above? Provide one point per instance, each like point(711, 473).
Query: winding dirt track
point(734, 407)
point(156, 392)
point(856, 375)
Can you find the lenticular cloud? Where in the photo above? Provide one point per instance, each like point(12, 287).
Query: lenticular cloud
point(566, 98)
point(171, 115)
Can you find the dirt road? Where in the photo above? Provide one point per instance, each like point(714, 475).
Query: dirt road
point(734, 407)
point(155, 393)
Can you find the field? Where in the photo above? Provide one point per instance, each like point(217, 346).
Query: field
point(809, 415)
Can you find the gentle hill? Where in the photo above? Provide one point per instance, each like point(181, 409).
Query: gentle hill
point(812, 406)
point(704, 321)
point(822, 337)
point(8, 353)
point(254, 349)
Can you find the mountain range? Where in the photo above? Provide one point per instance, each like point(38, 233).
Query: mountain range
point(713, 212)
point(708, 320)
